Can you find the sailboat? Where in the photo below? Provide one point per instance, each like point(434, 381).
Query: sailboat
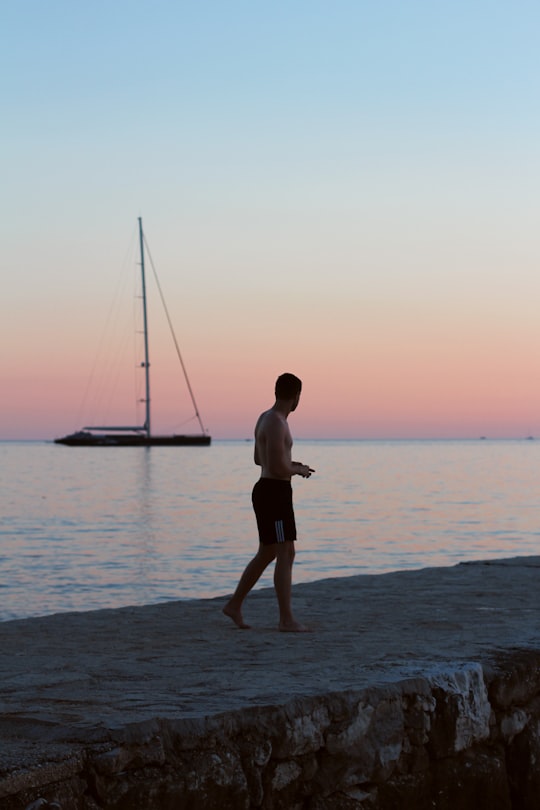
point(139, 436)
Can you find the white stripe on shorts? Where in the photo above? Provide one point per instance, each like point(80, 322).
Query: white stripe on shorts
point(280, 535)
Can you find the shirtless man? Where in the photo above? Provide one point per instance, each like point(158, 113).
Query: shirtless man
point(273, 505)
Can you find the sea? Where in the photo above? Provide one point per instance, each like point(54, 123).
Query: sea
point(104, 527)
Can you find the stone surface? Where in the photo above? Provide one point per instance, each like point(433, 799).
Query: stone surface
point(417, 689)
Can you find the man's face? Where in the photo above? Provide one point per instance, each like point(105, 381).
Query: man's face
point(296, 401)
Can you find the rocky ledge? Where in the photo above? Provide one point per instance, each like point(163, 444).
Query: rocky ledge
point(435, 705)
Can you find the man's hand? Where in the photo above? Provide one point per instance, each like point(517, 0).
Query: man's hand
point(302, 469)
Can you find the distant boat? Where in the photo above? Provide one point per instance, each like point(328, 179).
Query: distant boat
point(139, 436)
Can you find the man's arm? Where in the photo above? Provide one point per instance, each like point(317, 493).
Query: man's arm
point(256, 455)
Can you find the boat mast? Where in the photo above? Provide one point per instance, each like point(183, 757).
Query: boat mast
point(146, 363)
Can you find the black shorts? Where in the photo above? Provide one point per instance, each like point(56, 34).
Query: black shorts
point(273, 505)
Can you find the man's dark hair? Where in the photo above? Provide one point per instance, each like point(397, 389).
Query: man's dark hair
point(288, 386)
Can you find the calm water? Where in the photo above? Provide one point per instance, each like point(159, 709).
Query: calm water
point(85, 528)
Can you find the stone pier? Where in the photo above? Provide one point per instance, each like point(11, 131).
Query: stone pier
point(416, 689)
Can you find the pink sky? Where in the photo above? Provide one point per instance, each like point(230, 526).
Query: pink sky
point(366, 372)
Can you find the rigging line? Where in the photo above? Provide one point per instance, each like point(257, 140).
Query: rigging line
point(97, 404)
point(185, 422)
point(192, 395)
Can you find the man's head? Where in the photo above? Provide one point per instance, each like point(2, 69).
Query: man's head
point(288, 387)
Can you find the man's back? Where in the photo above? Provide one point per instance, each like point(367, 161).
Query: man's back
point(273, 443)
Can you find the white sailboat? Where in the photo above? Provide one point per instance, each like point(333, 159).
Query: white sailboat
point(130, 436)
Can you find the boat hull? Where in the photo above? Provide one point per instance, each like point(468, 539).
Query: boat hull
point(84, 439)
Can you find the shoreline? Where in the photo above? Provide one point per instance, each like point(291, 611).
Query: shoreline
point(480, 560)
point(76, 680)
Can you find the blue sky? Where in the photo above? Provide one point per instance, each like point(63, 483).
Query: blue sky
point(217, 98)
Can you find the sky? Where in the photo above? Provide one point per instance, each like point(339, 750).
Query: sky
point(345, 190)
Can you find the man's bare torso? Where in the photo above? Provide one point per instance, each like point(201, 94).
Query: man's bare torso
point(273, 445)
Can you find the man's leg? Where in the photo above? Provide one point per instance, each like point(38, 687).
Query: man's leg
point(249, 578)
point(283, 586)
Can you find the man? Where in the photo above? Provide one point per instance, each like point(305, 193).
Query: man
point(273, 505)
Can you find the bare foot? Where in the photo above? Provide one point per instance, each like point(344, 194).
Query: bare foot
point(236, 616)
point(293, 627)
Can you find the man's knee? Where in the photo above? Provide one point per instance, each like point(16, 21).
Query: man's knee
point(267, 553)
point(286, 550)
